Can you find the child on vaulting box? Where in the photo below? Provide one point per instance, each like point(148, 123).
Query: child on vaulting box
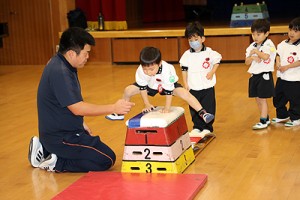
point(157, 76)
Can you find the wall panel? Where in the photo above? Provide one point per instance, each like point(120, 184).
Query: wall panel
point(29, 40)
point(128, 50)
point(232, 48)
point(33, 30)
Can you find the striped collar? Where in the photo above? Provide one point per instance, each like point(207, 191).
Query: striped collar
point(255, 44)
point(295, 43)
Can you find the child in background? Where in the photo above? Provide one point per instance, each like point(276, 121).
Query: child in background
point(157, 76)
point(287, 89)
point(260, 55)
point(199, 65)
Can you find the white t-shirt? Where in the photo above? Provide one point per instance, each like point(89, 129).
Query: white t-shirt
point(265, 65)
point(289, 53)
point(165, 78)
point(199, 64)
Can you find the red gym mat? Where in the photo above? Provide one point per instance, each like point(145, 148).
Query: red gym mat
point(140, 186)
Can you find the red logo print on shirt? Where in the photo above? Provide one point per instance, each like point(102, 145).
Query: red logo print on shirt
point(267, 61)
point(290, 59)
point(206, 64)
point(160, 88)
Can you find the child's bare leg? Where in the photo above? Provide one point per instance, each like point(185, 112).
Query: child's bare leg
point(263, 107)
point(188, 97)
point(264, 117)
point(130, 91)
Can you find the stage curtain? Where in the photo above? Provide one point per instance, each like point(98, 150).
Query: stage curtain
point(162, 10)
point(113, 11)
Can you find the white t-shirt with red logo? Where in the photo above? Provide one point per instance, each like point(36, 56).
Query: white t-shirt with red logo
point(265, 65)
point(165, 77)
point(199, 64)
point(289, 53)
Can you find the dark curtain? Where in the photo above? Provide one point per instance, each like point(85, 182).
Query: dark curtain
point(113, 11)
point(163, 11)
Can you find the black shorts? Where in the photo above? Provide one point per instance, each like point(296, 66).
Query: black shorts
point(152, 92)
point(261, 85)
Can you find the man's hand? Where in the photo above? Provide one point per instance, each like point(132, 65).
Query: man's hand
point(122, 106)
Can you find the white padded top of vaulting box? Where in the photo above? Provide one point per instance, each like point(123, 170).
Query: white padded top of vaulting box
point(156, 118)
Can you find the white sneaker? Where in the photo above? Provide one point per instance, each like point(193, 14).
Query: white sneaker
point(205, 133)
point(259, 125)
point(278, 120)
point(268, 122)
point(49, 163)
point(114, 116)
point(292, 123)
point(35, 153)
point(195, 133)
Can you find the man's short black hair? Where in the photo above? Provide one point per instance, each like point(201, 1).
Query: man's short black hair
point(295, 24)
point(194, 28)
point(75, 38)
point(260, 26)
point(149, 56)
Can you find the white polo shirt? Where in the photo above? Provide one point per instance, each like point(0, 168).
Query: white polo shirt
point(165, 77)
point(289, 53)
point(265, 65)
point(199, 64)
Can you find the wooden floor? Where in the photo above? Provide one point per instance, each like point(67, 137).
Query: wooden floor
point(240, 163)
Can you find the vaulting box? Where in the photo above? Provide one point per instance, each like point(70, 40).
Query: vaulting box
point(158, 153)
point(178, 166)
point(156, 128)
point(245, 14)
